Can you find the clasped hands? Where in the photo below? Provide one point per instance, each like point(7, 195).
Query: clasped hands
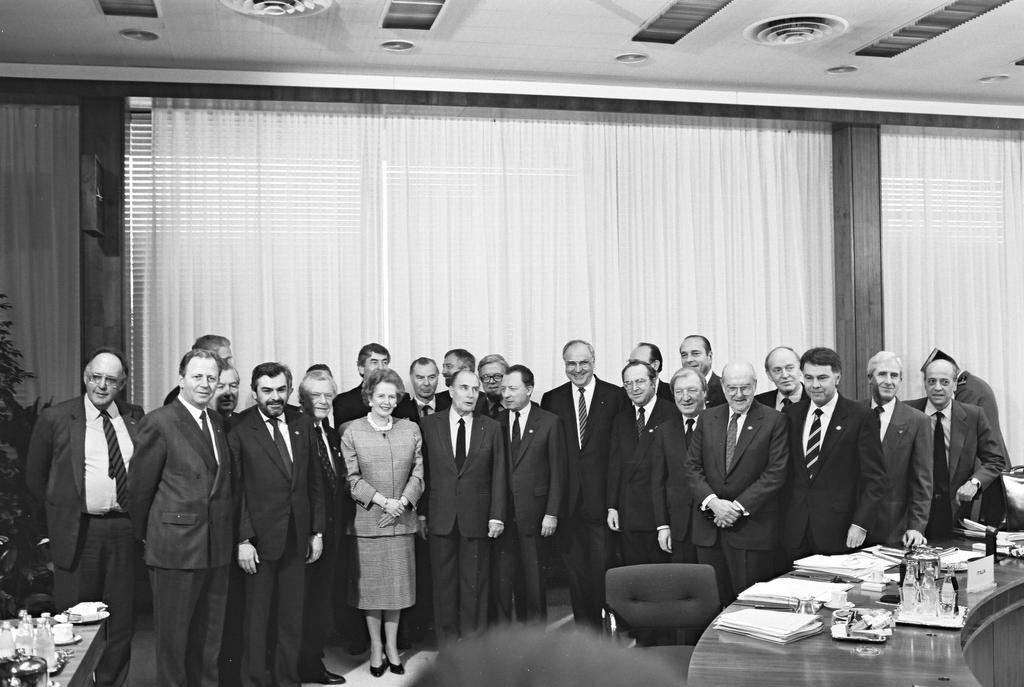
point(393, 509)
point(726, 512)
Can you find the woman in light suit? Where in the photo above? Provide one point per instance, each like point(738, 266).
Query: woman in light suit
point(385, 475)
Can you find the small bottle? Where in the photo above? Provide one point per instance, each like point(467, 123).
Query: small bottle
point(929, 594)
point(46, 618)
point(947, 596)
point(23, 636)
point(6, 641)
point(44, 646)
point(908, 592)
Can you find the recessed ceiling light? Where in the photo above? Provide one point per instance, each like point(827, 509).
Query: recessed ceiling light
point(994, 78)
point(842, 69)
point(397, 46)
point(795, 29)
point(138, 35)
point(278, 8)
point(631, 58)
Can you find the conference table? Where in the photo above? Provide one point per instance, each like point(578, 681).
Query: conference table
point(987, 652)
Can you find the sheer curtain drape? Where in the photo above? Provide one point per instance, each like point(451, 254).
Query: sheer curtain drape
point(495, 234)
point(39, 244)
point(953, 247)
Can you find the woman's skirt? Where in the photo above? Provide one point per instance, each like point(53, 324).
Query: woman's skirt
point(385, 576)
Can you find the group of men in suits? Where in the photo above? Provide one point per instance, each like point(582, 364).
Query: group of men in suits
point(699, 469)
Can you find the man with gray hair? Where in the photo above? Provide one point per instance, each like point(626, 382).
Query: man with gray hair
point(736, 468)
point(906, 435)
point(782, 364)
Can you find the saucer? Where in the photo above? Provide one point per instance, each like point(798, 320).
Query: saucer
point(74, 640)
point(837, 607)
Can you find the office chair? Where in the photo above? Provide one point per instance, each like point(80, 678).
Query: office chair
point(662, 596)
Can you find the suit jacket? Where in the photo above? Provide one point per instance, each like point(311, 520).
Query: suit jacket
point(473, 495)
point(391, 465)
point(273, 494)
point(629, 466)
point(338, 506)
point(850, 481)
point(587, 466)
point(665, 391)
point(180, 495)
point(715, 396)
point(973, 447)
point(670, 492)
point(907, 450)
point(768, 398)
point(408, 409)
point(349, 405)
point(55, 471)
point(755, 478)
point(536, 478)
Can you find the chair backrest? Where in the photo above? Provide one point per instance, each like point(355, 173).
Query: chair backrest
point(663, 595)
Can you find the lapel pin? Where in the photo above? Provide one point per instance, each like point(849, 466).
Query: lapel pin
point(838, 427)
point(749, 427)
point(529, 431)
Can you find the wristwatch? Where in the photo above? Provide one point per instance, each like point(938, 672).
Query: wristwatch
point(976, 482)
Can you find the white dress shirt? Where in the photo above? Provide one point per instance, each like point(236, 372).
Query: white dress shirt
point(826, 417)
point(100, 489)
point(196, 413)
point(524, 413)
point(885, 417)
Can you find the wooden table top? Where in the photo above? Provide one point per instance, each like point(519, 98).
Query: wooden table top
point(913, 655)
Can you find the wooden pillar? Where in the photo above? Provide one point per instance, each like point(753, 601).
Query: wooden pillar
point(104, 315)
point(857, 226)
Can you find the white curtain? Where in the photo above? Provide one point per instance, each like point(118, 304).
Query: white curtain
point(953, 250)
point(39, 245)
point(508, 235)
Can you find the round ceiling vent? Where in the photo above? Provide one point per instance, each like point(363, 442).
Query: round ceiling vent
point(278, 8)
point(795, 29)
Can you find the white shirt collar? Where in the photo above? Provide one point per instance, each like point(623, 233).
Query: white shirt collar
point(930, 410)
point(193, 411)
point(887, 407)
point(524, 413)
point(93, 413)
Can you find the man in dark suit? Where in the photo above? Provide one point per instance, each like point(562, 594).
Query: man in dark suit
point(215, 343)
point(651, 354)
point(77, 466)
point(783, 367)
point(225, 396)
point(316, 392)
point(466, 481)
point(907, 448)
point(670, 491)
point(966, 455)
point(836, 479)
point(490, 370)
point(180, 498)
point(736, 467)
point(424, 399)
point(349, 405)
point(695, 352)
point(586, 405)
point(536, 484)
point(281, 524)
point(630, 507)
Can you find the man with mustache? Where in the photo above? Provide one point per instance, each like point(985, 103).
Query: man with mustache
point(281, 524)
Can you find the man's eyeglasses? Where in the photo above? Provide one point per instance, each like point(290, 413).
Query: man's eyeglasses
point(103, 380)
point(636, 384)
point(491, 379)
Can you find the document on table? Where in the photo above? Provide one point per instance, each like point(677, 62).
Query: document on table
point(788, 589)
point(779, 627)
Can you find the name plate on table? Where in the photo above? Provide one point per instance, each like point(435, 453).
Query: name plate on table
point(980, 574)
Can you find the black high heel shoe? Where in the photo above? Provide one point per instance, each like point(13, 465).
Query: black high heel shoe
point(377, 671)
point(397, 668)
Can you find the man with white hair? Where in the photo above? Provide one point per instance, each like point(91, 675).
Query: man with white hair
point(906, 435)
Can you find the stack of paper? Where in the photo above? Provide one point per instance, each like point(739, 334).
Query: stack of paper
point(773, 626)
point(786, 590)
point(859, 565)
point(970, 528)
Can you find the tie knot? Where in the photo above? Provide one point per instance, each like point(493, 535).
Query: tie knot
point(735, 417)
point(104, 413)
point(879, 410)
point(462, 422)
point(818, 412)
point(690, 423)
point(581, 390)
point(786, 401)
point(939, 415)
point(517, 415)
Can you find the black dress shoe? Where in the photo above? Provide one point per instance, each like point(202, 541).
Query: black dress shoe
point(397, 668)
point(325, 678)
point(377, 671)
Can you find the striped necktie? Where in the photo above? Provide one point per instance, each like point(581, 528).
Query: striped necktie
point(813, 444)
point(581, 412)
point(115, 468)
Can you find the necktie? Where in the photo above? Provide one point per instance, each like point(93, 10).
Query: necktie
point(640, 422)
point(689, 427)
point(325, 460)
point(424, 411)
point(460, 445)
point(516, 435)
point(115, 468)
point(786, 401)
point(730, 441)
point(879, 410)
point(940, 522)
point(207, 434)
point(581, 412)
point(282, 448)
point(813, 444)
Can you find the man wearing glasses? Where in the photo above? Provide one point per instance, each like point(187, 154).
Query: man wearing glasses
point(735, 468)
point(78, 466)
point(492, 370)
point(630, 505)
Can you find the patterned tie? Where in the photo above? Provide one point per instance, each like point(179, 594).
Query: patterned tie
point(517, 436)
point(207, 434)
point(940, 522)
point(325, 461)
point(460, 445)
point(581, 413)
point(115, 469)
point(730, 442)
point(640, 422)
point(282, 448)
point(813, 444)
